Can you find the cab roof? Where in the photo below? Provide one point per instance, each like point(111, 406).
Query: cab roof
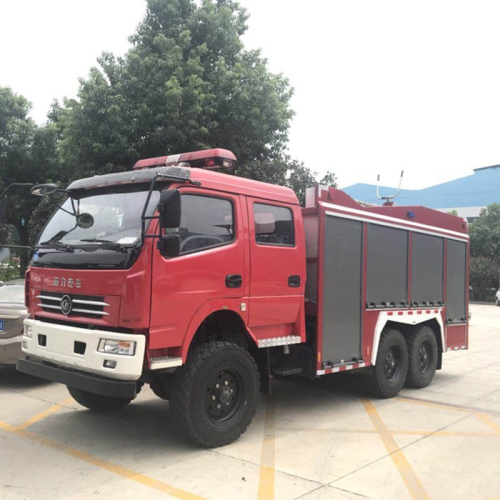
point(209, 180)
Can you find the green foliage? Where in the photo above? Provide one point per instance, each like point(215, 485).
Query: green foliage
point(10, 269)
point(484, 276)
point(186, 84)
point(282, 170)
point(28, 153)
point(485, 233)
point(41, 214)
point(329, 179)
point(453, 212)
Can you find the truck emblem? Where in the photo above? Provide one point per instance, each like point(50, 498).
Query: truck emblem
point(66, 304)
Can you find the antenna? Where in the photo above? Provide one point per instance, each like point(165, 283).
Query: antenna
point(388, 202)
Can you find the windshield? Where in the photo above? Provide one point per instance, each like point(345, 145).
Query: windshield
point(114, 217)
point(12, 294)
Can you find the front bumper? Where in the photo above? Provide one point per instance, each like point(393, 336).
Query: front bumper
point(79, 380)
point(61, 345)
point(10, 350)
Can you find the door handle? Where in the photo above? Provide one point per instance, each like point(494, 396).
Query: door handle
point(294, 281)
point(234, 281)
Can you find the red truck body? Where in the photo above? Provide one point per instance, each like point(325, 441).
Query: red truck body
point(307, 291)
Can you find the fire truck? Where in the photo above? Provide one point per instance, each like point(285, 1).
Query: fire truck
point(205, 285)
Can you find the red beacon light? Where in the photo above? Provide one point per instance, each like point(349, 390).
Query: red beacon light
point(208, 158)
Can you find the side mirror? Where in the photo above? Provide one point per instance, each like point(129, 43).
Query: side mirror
point(44, 189)
point(169, 208)
point(169, 245)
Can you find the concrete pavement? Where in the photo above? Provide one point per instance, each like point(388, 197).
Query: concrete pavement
point(313, 440)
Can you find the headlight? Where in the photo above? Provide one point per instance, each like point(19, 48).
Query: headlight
point(121, 347)
point(28, 331)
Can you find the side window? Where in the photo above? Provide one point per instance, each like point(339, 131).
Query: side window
point(205, 222)
point(273, 225)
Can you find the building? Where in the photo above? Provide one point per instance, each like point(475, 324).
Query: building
point(467, 195)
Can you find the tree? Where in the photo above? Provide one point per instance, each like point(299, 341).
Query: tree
point(41, 214)
point(485, 234)
point(186, 84)
point(283, 170)
point(27, 154)
point(483, 277)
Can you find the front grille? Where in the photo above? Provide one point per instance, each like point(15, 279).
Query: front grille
point(88, 306)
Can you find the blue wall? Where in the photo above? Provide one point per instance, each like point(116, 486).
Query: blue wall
point(477, 190)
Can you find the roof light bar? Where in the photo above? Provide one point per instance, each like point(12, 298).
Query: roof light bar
point(208, 158)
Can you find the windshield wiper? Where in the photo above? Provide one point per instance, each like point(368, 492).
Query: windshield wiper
point(57, 245)
point(105, 244)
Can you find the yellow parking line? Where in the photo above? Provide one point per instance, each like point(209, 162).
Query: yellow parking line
point(43, 414)
point(449, 406)
point(435, 405)
point(489, 422)
point(103, 464)
point(444, 433)
point(405, 470)
point(399, 432)
point(266, 477)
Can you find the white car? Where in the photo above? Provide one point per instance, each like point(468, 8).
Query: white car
point(12, 314)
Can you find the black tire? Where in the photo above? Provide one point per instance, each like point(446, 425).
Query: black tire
point(215, 394)
point(389, 373)
point(96, 402)
point(422, 357)
point(161, 388)
point(497, 302)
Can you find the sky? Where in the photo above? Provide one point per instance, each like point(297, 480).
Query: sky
point(380, 86)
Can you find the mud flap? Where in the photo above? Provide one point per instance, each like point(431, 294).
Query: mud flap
point(261, 357)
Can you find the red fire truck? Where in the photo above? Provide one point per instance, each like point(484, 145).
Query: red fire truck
point(204, 285)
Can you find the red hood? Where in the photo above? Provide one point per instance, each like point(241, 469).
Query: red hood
point(126, 293)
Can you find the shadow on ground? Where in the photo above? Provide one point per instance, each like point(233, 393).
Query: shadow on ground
point(146, 428)
point(10, 378)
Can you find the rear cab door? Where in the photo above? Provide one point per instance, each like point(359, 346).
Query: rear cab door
point(277, 269)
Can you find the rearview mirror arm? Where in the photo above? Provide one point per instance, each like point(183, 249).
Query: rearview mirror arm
point(144, 218)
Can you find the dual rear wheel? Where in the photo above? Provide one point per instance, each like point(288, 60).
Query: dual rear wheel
point(409, 360)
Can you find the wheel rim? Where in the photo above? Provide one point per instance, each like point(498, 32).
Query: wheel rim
point(424, 357)
point(392, 367)
point(223, 396)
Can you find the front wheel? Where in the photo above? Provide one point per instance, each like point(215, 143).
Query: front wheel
point(96, 402)
point(215, 394)
point(422, 356)
point(389, 373)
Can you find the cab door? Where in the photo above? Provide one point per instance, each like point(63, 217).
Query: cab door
point(277, 268)
point(211, 265)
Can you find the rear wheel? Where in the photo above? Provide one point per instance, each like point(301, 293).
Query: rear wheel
point(96, 402)
point(389, 373)
point(214, 395)
point(422, 357)
point(497, 302)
